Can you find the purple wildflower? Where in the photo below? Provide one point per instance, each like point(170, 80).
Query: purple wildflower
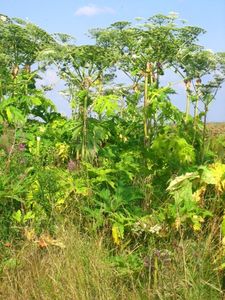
point(71, 165)
point(21, 147)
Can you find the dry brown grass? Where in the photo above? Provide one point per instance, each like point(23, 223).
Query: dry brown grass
point(216, 128)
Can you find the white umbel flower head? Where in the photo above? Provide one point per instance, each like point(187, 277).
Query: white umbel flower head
point(3, 18)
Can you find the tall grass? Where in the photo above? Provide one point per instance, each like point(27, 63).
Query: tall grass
point(81, 271)
point(77, 272)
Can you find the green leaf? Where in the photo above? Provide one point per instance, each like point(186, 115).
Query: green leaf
point(36, 101)
point(107, 105)
point(207, 176)
point(28, 216)
point(9, 114)
point(15, 115)
point(17, 216)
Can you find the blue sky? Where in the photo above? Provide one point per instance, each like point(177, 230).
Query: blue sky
point(77, 17)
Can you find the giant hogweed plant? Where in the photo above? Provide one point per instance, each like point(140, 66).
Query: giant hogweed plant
point(126, 164)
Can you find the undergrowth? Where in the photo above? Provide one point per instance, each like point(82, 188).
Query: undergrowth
point(81, 268)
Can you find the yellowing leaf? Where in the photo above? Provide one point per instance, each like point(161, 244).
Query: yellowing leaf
point(62, 151)
point(197, 220)
point(223, 241)
point(197, 226)
point(177, 223)
point(218, 172)
point(175, 184)
point(223, 227)
point(198, 195)
point(117, 233)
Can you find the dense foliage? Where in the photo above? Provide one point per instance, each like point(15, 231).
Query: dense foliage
point(128, 167)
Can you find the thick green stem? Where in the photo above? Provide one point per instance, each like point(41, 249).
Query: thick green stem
point(100, 91)
point(204, 133)
point(38, 147)
point(187, 107)
point(198, 95)
point(15, 72)
point(195, 120)
point(1, 91)
point(147, 73)
point(145, 109)
point(27, 72)
point(196, 111)
point(198, 83)
point(84, 142)
point(187, 87)
point(100, 86)
point(157, 80)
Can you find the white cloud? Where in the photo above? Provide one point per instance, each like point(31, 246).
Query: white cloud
point(92, 10)
point(50, 77)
